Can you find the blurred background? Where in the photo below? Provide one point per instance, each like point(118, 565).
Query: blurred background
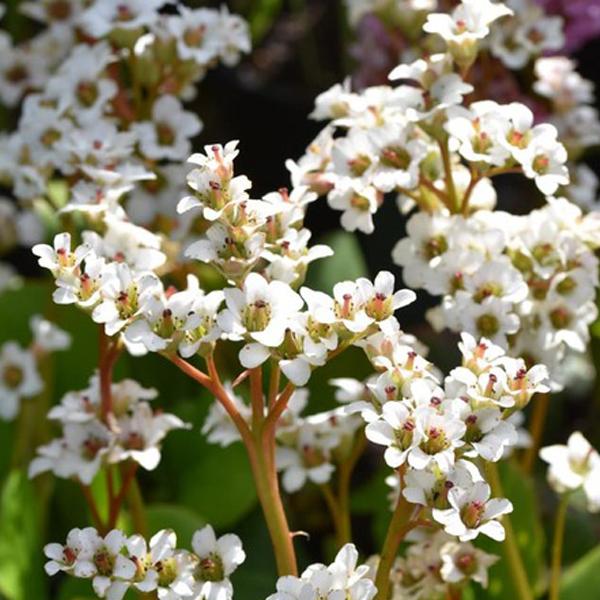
point(301, 47)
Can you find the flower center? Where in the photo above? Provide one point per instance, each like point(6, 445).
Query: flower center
point(404, 436)
point(165, 134)
point(13, 376)
point(436, 441)
point(87, 93)
point(167, 571)
point(257, 316)
point(395, 157)
point(194, 36)
point(359, 164)
point(472, 514)
point(435, 246)
point(210, 568)
point(104, 562)
point(487, 325)
point(560, 318)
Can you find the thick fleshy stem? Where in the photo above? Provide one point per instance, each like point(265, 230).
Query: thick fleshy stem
point(109, 351)
point(557, 545)
point(510, 547)
point(116, 502)
point(260, 445)
point(400, 524)
point(265, 475)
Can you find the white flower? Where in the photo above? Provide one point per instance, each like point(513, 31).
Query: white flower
point(439, 435)
point(59, 257)
point(261, 313)
point(358, 202)
point(106, 15)
point(341, 580)
point(487, 433)
point(197, 34)
point(424, 247)
point(574, 466)
point(217, 560)
point(338, 101)
point(19, 378)
point(397, 430)
point(491, 318)
point(123, 296)
point(140, 435)
point(79, 453)
point(478, 356)
point(306, 462)
point(472, 512)
point(398, 158)
point(465, 26)
point(544, 161)
point(559, 80)
point(48, 336)
point(463, 561)
point(167, 135)
point(79, 85)
point(65, 558)
point(105, 563)
point(475, 132)
point(379, 298)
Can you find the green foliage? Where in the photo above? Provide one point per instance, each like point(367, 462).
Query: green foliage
point(582, 579)
point(21, 576)
point(262, 15)
point(218, 484)
point(348, 262)
point(183, 521)
point(257, 576)
point(372, 499)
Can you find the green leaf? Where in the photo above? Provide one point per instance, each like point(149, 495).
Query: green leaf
point(529, 533)
point(257, 576)
point(19, 305)
point(262, 16)
point(75, 589)
point(21, 573)
point(218, 484)
point(581, 579)
point(182, 520)
point(347, 262)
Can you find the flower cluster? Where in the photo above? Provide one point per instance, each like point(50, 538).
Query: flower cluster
point(529, 280)
point(91, 439)
point(242, 233)
point(116, 563)
point(106, 109)
point(343, 578)
point(113, 277)
point(571, 100)
point(20, 376)
point(434, 560)
point(525, 282)
point(435, 435)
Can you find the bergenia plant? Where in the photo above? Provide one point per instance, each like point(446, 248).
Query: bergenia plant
point(168, 251)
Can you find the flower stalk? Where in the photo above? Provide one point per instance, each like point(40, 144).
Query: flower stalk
point(557, 546)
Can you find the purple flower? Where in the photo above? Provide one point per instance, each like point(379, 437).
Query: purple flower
point(582, 20)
